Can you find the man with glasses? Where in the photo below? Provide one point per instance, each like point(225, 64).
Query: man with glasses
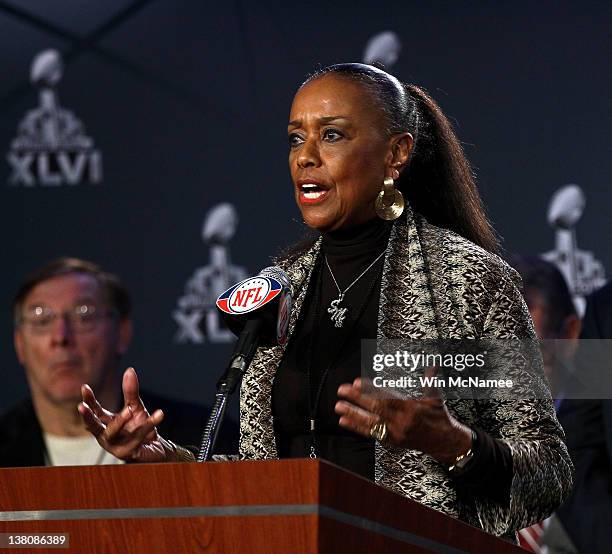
point(72, 326)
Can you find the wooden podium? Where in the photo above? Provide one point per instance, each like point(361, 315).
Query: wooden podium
point(287, 506)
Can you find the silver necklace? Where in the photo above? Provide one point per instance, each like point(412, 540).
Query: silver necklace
point(337, 312)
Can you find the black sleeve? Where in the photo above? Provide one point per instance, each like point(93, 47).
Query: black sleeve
point(489, 473)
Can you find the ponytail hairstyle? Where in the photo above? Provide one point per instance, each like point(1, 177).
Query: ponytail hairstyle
point(438, 181)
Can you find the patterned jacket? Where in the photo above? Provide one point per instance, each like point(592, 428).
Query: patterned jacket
point(434, 283)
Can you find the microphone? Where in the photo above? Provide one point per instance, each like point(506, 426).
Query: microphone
point(256, 309)
point(263, 301)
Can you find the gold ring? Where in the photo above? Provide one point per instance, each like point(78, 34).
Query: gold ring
point(378, 431)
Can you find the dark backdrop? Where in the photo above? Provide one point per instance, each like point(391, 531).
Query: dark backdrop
point(188, 103)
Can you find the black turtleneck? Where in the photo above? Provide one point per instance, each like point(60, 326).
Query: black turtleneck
point(330, 353)
point(320, 352)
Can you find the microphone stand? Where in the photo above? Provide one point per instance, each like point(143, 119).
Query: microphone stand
point(226, 385)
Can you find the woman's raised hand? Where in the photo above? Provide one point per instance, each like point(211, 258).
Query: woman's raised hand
point(423, 424)
point(131, 434)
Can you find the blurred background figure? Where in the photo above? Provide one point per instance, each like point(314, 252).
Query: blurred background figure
point(587, 514)
point(557, 324)
point(72, 326)
point(555, 318)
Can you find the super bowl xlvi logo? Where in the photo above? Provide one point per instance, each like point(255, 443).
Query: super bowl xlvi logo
point(582, 271)
point(248, 295)
point(51, 148)
point(196, 314)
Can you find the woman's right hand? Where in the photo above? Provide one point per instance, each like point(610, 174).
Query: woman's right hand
point(131, 434)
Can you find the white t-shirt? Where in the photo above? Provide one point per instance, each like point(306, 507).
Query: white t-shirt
point(76, 451)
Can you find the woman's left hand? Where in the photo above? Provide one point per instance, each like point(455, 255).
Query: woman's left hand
point(423, 424)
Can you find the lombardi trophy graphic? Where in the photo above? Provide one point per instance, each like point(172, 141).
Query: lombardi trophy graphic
point(197, 315)
point(582, 271)
point(383, 48)
point(51, 147)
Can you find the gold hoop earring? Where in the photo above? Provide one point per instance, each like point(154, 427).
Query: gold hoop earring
point(389, 203)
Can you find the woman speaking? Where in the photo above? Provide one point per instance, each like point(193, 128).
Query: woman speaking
point(403, 250)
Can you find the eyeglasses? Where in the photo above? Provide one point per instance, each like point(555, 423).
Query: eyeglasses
point(84, 318)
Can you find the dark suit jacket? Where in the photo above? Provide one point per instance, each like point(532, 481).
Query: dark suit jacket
point(22, 444)
point(587, 514)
